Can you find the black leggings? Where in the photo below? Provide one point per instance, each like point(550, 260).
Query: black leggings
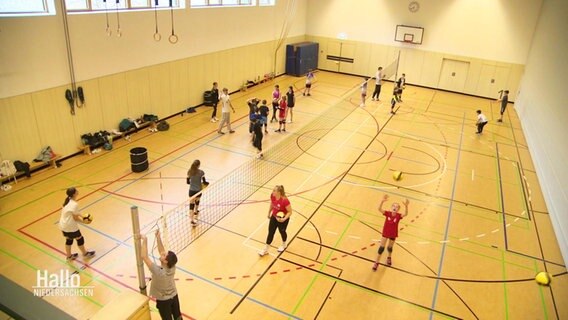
point(169, 308)
point(281, 228)
point(377, 91)
point(214, 114)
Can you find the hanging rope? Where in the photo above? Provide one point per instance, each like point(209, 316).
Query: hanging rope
point(157, 35)
point(173, 37)
point(108, 30)
point(118, 31)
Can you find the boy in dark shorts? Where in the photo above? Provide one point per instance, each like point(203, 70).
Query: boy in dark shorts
point(263, 111)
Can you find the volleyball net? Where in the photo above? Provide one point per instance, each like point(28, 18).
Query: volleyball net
point(224, 195)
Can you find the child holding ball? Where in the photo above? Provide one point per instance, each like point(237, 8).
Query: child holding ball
point(390, 228)
point(279, 214)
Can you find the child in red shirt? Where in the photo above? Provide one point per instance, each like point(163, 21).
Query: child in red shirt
point(279, 214)
point(390, 228)
point(282, 112)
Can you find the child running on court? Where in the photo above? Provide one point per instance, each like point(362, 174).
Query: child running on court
point(390, 228)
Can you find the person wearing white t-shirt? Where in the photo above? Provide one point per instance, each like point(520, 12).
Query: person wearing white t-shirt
point(378, 82)
point(225, 112)
point(68, 225)
point(481, 121)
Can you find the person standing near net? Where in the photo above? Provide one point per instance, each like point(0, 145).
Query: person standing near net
point(226, 112)
point(215, 101)
point(504, 101)
point(279, 214)
point(282, 112)
point(275, 102)
point(481, 122)
point(309, 80)
point(390, 228)
point(257, 136)
point(195, 178)
point(263, 110)
point(396, 93)
point(378, 82)
point(70, 215)
point(253, 109)
point(401, 83)
point(291, 100)
point(163, 287)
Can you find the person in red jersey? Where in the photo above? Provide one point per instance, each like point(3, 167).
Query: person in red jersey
point(390, 228)
point(279, 214)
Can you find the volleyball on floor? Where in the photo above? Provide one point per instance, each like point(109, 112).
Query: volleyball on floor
point(87, 218)
point(280, 215)
point(397, 175)
point(543, 278)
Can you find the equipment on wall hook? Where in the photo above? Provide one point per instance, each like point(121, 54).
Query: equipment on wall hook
point(80, 99)
point(71, 100)
point(118, 31)
point(173, 37)
point(108, 30)
point(157, 35)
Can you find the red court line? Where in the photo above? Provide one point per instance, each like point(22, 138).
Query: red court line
point(88, 266)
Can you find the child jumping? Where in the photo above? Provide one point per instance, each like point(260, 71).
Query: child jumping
point(390, 228)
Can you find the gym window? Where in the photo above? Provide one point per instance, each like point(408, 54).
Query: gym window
point(15, 8)
point(102, 5)
point(229, 3)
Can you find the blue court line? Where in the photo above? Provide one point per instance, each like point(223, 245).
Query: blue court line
point(439, 273)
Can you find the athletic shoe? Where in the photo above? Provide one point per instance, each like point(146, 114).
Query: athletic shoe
point(499, 120)
point(89, 254)
point(232, 131)
point(389, 261)
point(304, 94)
point(282, 248)
point(266, 131)
point(277, 130)
point(375, 266)
point(213, 120)
point(73, 256)
point(373, 99)
point(263, 252)
point(283, 130)
point(220, 132)
point(309, 94)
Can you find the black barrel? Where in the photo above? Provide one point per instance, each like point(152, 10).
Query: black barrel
point(139, 159)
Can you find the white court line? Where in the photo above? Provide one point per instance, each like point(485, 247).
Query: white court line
point(331, 232)
point(480, 235)
point(464, 239)
point(472, 174)
point(354, 237)
point(496, 230)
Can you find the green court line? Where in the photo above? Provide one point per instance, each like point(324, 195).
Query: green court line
point(323, 265)
point(57, 258)
point(541, 293)
point(35, 268)
point(504, 275)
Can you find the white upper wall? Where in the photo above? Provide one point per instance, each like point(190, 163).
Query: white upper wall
point(498, 30)
point(541, 105)
point(33, 53)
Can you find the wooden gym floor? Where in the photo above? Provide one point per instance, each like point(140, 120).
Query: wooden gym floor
point(477, 231)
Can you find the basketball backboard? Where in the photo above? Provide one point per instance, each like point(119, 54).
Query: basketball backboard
point(408, 34)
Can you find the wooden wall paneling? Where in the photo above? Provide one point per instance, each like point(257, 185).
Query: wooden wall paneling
point(89, 118)
point(362, 63)
point(180, 88)
point(54, 120)
point(515, 77)
point(138, 92)
point(411, 64)
point(379, 58)
point(19, 139)
point(240, 64)
point(196, 70)
point(224, 63)
point(431, 69)
point(113, 99)
point(262, 59)
point(160, 88)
